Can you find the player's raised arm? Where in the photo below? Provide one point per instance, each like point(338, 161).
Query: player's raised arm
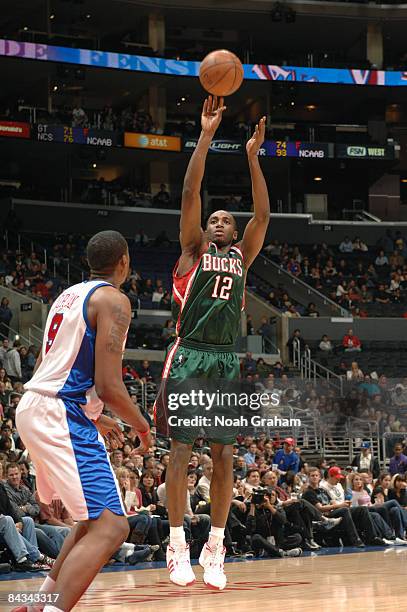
point(255, 231)
point(190, 225)
point(112, 313)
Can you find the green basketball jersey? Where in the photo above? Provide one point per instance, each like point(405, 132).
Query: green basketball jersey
point(207, 301)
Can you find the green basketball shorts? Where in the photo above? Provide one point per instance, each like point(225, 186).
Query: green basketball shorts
point(190, 403)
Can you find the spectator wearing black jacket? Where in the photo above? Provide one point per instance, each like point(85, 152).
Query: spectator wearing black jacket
point(365, 460)
point(20, 539)
point(355, 520)
point(265, 523)
point(292, 343)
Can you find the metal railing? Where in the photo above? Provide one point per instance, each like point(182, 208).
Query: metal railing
point(269, 347)
point(351, 214)
point(319, 298)
point(312, 370)
point(60, 266)
point(14, 335)
point(359, 430)
point(35, 334)
point(138, 388)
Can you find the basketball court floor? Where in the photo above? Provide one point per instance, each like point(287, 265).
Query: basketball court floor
point(328, 580)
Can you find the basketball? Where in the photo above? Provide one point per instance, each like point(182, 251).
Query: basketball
point(221, 73)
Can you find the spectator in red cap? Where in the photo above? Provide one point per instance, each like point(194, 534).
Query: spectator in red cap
point(286, 459)
point(360, 515)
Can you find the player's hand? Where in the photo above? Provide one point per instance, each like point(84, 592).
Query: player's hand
point(144, 446)
point(212, 114)
point(110, 429)
point(253, 145)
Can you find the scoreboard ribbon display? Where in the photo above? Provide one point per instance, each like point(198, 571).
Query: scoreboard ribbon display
point(76, 135)
point(307, 150)
point(159, 65)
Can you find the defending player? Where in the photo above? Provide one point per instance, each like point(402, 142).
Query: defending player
point(208, 293)
point(59, 417)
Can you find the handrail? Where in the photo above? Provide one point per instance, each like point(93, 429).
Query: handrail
point(34, 245)
point(267, 343)
point(31, 335)
point(15, 333)
point(310, 369)
point(29, 296)
point(295, 280)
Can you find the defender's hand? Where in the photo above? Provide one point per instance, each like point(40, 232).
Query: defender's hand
point(109, 428)
point(212, 114)
point(144, 446)
point(253, 145)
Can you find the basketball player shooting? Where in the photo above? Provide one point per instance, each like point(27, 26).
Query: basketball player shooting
point(208, 293)
point(61, 423)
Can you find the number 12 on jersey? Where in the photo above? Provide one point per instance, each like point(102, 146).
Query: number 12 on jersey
point(222, 288)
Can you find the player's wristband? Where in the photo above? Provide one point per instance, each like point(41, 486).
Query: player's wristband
point(144, 433)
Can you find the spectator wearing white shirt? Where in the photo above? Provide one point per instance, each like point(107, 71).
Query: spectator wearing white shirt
point(12, 363)
point(346, 245)
point(326, 344)
point(252, 480)
point(359, 245)
point(360, 515)
point(342, 289)
point(355, 374)
point(381, 259)
point(204, 484)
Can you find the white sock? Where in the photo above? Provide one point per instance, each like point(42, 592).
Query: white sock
point(52, 609)
point(177, 536)
point(216, 535)
point(48, 585)
point(130, 551)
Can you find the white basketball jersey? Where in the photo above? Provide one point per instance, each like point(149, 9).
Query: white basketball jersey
point(67, 369)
